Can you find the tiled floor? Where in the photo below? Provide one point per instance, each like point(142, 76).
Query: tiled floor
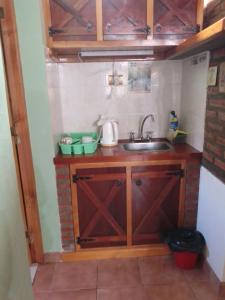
point(147, 278)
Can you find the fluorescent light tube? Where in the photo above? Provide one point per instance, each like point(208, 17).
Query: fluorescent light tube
point(111, 53)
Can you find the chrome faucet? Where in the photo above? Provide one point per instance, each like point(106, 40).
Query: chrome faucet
point(149, 133)
point(141, 137)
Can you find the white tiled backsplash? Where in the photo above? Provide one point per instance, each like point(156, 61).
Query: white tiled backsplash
point(79, 94)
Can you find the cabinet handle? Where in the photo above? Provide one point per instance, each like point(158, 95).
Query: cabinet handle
point(89, 27)
point(77, 178)
point(158, 27)
point(118, 183)
point(138, 182)
point(108, 27)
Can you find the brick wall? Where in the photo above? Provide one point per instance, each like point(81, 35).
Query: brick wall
point(191, 193)
point(65, 207)
point(214, 11)
point(214, 145)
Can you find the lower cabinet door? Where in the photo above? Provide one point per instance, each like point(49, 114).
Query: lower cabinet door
point(101, 200)
point(155, 202)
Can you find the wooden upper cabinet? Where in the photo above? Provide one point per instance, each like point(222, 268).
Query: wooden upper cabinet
point(124, 19)
point(72, 20)
point(176, 18)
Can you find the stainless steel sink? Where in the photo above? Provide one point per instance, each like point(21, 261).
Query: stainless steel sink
point(150, 146)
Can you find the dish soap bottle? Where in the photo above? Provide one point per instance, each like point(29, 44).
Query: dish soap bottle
point(173, 125)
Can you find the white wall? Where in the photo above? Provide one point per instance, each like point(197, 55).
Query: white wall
point(211, 209)
point(82, 95)
point(211, 220)
point(193, 99)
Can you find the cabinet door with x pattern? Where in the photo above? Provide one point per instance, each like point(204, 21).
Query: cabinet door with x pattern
point(175, 18)
point(101, 205)
point(72, 20)
point(155, 202)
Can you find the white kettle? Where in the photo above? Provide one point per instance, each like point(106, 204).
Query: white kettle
point(109, 132)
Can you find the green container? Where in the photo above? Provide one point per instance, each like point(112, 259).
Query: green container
point(90, 148)
point(77, 149)
point(79, 135)
point(66, 149)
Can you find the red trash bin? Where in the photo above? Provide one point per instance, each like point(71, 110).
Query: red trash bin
point(186, 260)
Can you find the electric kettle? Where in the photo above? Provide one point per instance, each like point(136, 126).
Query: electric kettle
point(109, 132)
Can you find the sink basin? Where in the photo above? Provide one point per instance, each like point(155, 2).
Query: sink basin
point(150, 146)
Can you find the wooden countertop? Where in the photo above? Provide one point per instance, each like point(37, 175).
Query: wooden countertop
point(118, 154)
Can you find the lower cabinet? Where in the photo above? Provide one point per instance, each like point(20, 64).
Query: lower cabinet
point(155, 202)
point(106, 213)
point(101, 203)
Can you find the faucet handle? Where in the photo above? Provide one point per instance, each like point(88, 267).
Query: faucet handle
point(149, 135)
point(131, 136)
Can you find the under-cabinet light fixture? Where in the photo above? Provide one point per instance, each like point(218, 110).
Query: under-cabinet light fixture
point(114, 53)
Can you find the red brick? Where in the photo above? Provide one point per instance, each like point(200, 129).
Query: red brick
point(63, 186)
point(219, 103)
point(213, 89)
point(211, 114)
point(220, 140)
point(214, 126)
point(214, 148)
point(208, 156)
point(220, 164)
point(62, 176)
point(222, 116)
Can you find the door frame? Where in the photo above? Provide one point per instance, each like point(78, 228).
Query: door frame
point(20, 129)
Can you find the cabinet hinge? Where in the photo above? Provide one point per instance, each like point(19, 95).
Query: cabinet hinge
point(2, 14)
point(52, 31)
point(179, 173)
point(29, 237)
point(79, 240)
point(15, 135)
point(77, 178)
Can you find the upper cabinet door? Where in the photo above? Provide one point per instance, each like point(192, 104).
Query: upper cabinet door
point(73, 20)
point(124, 19)
point(175, 18)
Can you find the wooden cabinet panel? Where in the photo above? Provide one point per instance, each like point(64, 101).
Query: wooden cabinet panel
point(73, 20)
point(124, 19)
point(175, 18)
point(155, 202)
point(101, 197)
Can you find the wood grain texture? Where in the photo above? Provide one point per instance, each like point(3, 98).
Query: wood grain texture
point(20, 123)
point(210, 38)
point(116, 252)
point(129, 205)
point(99, 18)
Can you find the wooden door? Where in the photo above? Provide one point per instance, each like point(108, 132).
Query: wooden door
point(101, 201)
point(175, 18)
point(155, 202)
point(124, 19)
point(20, 130)
point(73, 20)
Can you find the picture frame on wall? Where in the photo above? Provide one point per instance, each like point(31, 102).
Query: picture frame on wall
point(139, 77)
point(222, 78)
point(212, 75)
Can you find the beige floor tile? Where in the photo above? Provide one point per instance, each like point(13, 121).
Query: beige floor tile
point(75, 276)
point(118, 272)
point(43, 278)
point(159, 270)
